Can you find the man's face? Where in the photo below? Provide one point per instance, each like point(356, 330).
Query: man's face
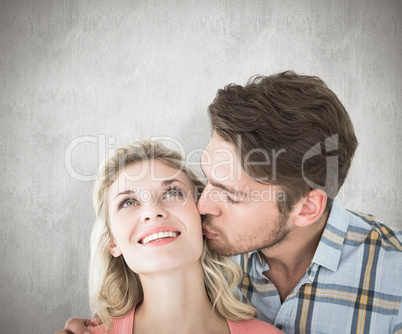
point(241, 214)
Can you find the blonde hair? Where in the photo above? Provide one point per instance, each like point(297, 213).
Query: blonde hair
point(113, 287)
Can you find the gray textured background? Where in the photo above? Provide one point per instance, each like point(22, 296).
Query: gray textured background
point(99, 74)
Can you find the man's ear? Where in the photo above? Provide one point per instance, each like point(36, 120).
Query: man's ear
point(114, 249)
point(311, 208)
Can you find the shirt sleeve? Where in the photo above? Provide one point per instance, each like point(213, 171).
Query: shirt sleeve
point(398, 326)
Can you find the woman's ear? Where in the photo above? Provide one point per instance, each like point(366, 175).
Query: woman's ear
point(312, 208)
point(114, 249)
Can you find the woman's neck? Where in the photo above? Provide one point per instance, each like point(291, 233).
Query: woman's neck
point(176, 301)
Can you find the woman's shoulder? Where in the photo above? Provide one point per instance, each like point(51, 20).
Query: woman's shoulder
point(252, 326)
point(123, 325)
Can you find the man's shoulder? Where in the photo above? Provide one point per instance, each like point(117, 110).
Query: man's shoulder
point(371, 254)
point(354, 228)
point(365, 227)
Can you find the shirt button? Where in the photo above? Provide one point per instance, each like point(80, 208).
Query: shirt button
point(264, 280)
point(279, 326)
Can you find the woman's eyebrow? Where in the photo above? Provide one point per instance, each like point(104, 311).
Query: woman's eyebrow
point(129, 191)
point(168, 182)
point(164, 183)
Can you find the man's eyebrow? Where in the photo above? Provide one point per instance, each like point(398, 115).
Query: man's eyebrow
point(230, 190)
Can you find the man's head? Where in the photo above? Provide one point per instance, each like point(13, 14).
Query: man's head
point(288, 132)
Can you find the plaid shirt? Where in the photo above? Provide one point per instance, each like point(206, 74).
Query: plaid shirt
point(353, 284)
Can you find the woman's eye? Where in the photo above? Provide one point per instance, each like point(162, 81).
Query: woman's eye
point(128, 202)
point(174, 192)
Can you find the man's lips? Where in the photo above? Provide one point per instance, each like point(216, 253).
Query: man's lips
point(157, 230)
point(209, 234)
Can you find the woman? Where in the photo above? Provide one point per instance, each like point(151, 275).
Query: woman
point(150, 269)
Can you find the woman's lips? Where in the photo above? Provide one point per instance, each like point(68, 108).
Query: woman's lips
point(160, 242)
point(159, 236)
point(158, 229)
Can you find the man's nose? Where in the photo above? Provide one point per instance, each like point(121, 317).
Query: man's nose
point(206, 204)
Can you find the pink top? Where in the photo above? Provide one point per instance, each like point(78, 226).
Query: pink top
point(253, 326)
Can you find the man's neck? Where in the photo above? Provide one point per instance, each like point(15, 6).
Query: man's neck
point(289, 260)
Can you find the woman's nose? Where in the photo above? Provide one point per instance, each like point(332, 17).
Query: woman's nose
point(154, 211)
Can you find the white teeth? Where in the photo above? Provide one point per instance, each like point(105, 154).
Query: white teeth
point(159, 235)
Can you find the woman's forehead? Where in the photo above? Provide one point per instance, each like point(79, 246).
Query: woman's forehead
point(149, 173)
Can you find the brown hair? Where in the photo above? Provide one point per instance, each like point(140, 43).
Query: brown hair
point(298, 122)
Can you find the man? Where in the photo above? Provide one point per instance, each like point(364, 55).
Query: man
point(280, 151)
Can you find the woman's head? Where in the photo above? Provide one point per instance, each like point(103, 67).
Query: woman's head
point(114, 288)
point(153, 217)
point(140, 188)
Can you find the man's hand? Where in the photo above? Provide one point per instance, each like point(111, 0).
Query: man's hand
point(79, 326)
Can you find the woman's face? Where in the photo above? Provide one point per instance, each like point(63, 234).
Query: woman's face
point(154, 218)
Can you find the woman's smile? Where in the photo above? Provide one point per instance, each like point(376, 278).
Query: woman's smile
point(159, 236)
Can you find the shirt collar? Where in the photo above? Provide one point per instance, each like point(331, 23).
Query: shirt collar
point(258, 256)
point(328, 252)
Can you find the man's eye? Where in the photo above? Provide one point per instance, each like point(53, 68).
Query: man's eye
point(230, 199)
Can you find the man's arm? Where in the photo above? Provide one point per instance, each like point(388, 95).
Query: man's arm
point(79, 326)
